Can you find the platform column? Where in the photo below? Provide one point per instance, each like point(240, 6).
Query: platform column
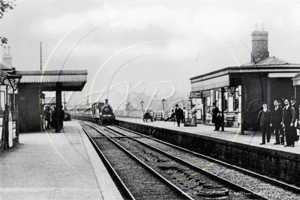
point(223, 106)
point(204, 110)
point(58, 107)
point(243, 110)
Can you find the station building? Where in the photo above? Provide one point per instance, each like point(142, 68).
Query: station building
point(22, 98)
point(30, 98)
point(239, 91)
point(9, 131)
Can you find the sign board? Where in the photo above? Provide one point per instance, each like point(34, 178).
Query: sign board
point(196, 95)
point(189, 106)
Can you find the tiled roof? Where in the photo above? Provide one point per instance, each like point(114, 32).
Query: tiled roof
point(267, 61)
point(53, 76)
point(5, 66)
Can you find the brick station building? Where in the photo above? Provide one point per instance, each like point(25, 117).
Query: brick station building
point(240, 90)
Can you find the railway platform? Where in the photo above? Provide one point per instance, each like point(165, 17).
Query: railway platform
point(251, 138)
point(49, 165)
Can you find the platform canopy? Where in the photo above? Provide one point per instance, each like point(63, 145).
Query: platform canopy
point(66, 80)
point(233, 76)
point(296, 80)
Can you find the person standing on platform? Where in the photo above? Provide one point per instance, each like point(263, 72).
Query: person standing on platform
point(295, 122)
point(265, 118)
point(276, 119)
point(54, 119)
point(178, 114)
point(183, 114)
point(47, 115)
point(61, 117)
point(194, 118)
point(288, 117)
point(215, 112)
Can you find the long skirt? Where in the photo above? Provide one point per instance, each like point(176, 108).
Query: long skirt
point(194, 121)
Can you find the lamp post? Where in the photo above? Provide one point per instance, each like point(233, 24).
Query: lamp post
point(142, 103)
point(191, 100)
point(163, 103)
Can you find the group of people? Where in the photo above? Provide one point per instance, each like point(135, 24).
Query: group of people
point(283, 121)
point(54, 119)
point(179, 114)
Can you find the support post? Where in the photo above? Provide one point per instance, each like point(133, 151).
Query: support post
point(5, 120)
point(204, 111)
point(58, 108)
point(222, 106)
point(243, 110)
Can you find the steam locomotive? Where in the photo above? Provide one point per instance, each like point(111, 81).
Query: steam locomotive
point(100, 112)
point(103, 113)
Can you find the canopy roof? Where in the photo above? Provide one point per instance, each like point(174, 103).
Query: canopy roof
point(232, 76)
point(66, 80)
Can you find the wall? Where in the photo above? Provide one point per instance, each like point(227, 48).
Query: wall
point(132, 114)
point(257, 92)
point(29, 109)
point(278, 164)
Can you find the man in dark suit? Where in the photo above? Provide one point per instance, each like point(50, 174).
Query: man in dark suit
point(265, 118)
point(276, 119)
point(215, 120)
point(288, 116)
point(296, 119)
point(178, 114)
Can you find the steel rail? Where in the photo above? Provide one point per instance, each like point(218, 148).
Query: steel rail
point(186, 196)
point(213, 176)
point(248, 172)
point(109, 166)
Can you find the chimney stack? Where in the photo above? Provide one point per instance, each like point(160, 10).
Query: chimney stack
point(259, 46)
point(6, 55)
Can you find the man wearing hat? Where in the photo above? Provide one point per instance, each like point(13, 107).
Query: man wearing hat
point(288, 117)
point(296, 119)
point(276, 119)
point(178, 114)
point(265, 120)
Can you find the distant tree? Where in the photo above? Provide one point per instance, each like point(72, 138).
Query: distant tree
point(5, 5)
point(129, 107)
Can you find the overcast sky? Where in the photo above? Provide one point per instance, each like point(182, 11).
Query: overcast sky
point(163, 42)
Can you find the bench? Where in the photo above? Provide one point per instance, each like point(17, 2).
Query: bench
point(228, 120)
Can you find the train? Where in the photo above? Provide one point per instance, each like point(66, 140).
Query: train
point(99, 112)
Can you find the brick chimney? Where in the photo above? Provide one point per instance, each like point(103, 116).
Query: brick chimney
point(6, 55)
point(259, 46)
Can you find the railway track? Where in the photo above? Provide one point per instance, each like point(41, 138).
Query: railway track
point(266, 186)
point(192, 181)
point(135, 179)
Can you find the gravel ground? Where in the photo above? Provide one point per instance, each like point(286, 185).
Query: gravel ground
point(190, 181)
point(258, 186)
point(139, 181)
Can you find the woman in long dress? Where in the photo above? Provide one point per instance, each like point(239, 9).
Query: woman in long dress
point(194, 118)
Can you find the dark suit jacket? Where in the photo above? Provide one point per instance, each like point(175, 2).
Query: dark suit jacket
point(265, 119)
point(178, 113)
point(215, 112)
point(276, 117)
point(296, 108)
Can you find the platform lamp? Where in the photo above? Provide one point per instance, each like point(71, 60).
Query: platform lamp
point(142, 103)
point(163, 103)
